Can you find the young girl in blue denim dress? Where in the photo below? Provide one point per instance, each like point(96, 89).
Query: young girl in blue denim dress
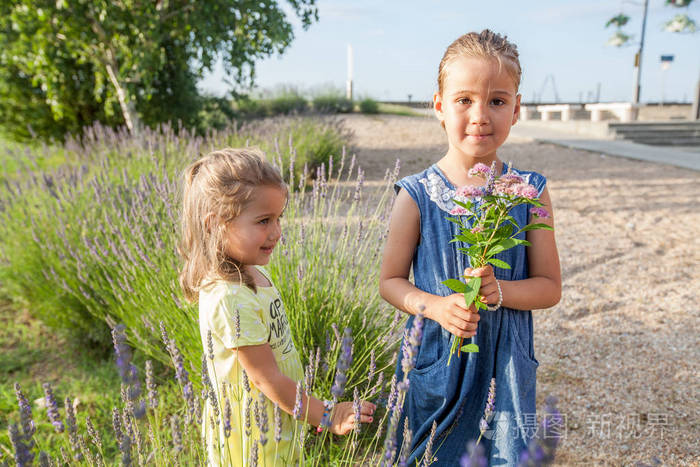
point(477, 102)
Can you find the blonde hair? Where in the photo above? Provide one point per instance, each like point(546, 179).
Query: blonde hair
point(486, 44)
point(216, 190)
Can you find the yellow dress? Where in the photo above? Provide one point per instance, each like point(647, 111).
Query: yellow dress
point(236, 317)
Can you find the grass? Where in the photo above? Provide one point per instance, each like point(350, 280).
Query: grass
point(395, 109)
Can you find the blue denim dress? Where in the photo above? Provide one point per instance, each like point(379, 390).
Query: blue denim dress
point(455, 396)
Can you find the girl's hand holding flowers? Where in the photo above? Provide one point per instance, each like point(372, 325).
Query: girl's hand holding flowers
point(489, 288)
point(453, 315)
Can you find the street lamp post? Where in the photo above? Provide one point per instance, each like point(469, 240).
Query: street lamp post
point(638, 57)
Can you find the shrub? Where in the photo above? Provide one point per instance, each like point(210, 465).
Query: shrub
point(332, 103)
point(369, 106)
point(95, 244)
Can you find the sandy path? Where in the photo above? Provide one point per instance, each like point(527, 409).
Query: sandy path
point(621, 350)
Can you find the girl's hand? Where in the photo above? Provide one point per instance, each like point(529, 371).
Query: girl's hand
point(489, 287)
point(344, 416)
point(452, 314)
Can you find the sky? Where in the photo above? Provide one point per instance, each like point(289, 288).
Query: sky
point(397, 47)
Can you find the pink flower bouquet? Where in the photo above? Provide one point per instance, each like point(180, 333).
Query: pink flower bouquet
point(488, 229)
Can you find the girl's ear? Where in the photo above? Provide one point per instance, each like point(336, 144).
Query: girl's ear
point(516, 111)
point(437, 107)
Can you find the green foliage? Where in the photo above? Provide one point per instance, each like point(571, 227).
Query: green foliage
point(302, 143)
point(369, 106)
point(332, 103)
point(96, 243)
point(66, 65)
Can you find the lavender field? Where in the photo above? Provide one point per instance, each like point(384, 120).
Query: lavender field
point(91, 244)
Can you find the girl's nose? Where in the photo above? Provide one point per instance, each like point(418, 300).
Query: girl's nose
point(478, 114)
point(276, 231)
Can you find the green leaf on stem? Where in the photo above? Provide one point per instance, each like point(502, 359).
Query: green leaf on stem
point(470, 348)
point(501, 246)
point(499, 264)
point(455, 220)
point(504, 231)
point(473, 286)
point(467, 237)
point(455, 285)
point(536, 226)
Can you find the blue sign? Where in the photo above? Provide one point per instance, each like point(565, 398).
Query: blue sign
point(666, 58)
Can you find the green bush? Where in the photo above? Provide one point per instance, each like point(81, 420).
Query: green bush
point(332, 103)
point(369, 106)
point(287, 105)
point(95, 244)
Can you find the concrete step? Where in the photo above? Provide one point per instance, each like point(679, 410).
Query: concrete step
point(658, 133)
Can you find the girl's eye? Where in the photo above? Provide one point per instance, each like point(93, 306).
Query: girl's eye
point(498, 102)
point(264, 221)
point(464, 100)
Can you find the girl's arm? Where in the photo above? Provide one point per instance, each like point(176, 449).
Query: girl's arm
point(261, 367)
point(394, 286)
point(542, 289)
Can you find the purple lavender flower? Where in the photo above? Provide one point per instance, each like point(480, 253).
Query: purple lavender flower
point(127, 370)
point(181, 374)
point(52, 408)
point(25, 415)
point(344, 363)
point(542, 213)
point(210, 345)
point(227, 417)
point(246, 382)
point(411, 344)
point(278, 423)
point(72, 428)
point(254, 454)
point(474, 457)
point(296, 412)
point(261, 418)
point(23, 453)
point(92, 432)
point(428, 457)
point(406, 445)
point(372, 367)
point(488, 411)
point(356, 407)
point(151, 386)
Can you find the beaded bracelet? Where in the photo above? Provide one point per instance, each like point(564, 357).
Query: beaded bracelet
point(325, 419)
point(500, 298)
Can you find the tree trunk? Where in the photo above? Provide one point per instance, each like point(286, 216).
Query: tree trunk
point(130, 117)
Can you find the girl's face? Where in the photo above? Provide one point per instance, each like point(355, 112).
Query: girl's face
point(478, 105)
point(251, 237)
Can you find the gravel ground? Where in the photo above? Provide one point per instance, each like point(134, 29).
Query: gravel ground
point(621, 350)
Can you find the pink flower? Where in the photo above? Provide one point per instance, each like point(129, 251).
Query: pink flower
point(525, 190)
point(470, 191)
point(510, 179)
point(459, 211)
point(479, 170)
point(477, 229)
point(540, 212)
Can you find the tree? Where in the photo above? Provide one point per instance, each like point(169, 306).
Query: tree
point(680, 23)
point(67, 63)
